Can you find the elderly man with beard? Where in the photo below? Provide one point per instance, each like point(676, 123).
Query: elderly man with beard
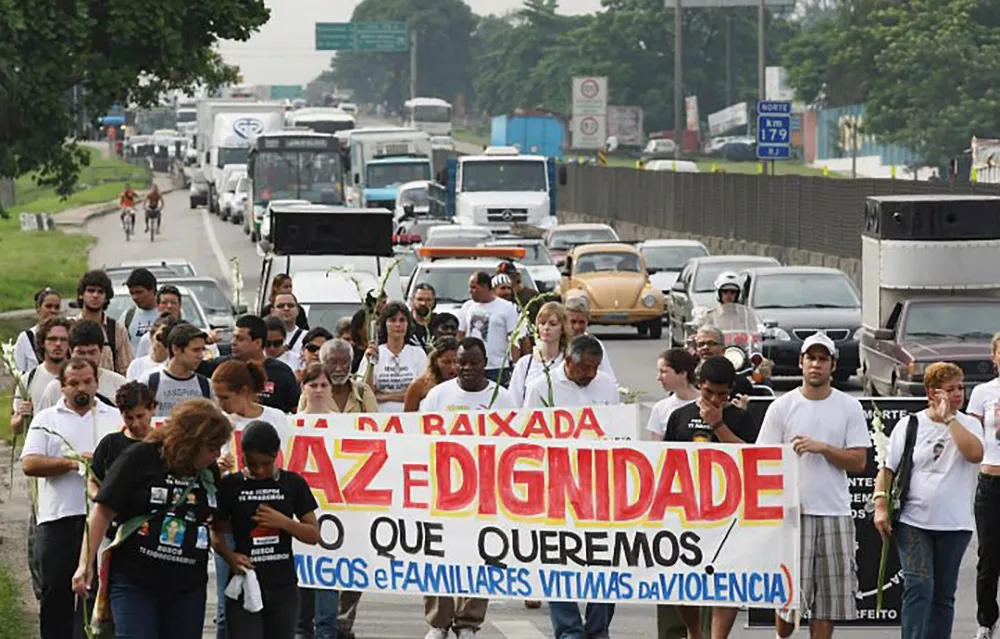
point(74, 425)
point(323, 614)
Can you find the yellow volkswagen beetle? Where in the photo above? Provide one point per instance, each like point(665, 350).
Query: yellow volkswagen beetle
point(614, 280)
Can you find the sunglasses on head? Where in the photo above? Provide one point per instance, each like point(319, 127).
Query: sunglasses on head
point(274, 343)
point(312, 348)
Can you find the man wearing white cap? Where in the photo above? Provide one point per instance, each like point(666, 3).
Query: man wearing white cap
point(829, 432)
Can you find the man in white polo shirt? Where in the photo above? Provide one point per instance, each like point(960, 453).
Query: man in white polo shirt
point(75, 424)
point(830, 435)
point(578, 382)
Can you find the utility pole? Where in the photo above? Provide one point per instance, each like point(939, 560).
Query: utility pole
point(678, 77)
point(761, 51)
point(413, 63)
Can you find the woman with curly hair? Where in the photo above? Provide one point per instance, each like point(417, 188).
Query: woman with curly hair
point(442, 365)
point(162, 494)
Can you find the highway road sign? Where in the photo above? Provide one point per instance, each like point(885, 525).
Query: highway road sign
point(774, 130)
point(379, 37)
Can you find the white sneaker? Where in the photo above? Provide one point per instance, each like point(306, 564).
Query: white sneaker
point(436, 633)
point(466, 633)
point(986, 633)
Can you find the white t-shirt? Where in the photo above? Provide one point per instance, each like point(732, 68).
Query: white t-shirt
point(291, 359)
point(839, 421)
point(605, 366)
point(661, 413)
point(108, 383)
point(141, 323)
point(171, 391)
point(40, 380)
point(985, 402)
point(25, 357)
point(393, 374)
point(145, 346)
point(493, 323)
point(293, 340)
point(450, 396)
point(63, 496)
point(943, 482)
point(601, 391)
point(272, 416)
point(141, 367)
point(527, 369)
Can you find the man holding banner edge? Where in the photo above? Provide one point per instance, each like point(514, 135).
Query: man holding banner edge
point(829, 432)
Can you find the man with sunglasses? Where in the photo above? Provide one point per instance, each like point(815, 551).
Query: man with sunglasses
point(710, 342)
point(286, 309)
point(275, 347)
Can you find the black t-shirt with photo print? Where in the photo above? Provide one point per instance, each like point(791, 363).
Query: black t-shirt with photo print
point(169, 551)
point(269, 549)
point(686, 425)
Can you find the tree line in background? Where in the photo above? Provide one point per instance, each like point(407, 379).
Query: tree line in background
point(925, 69)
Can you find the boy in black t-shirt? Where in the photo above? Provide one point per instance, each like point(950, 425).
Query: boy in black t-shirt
point(712, 418)
point(137, 404)
point(265, 507)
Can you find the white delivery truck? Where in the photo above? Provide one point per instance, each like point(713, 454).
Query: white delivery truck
point(232, 134)
point(498, 189)
point(382, 160)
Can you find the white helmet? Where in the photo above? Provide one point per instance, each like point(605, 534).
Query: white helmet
point(727, 279)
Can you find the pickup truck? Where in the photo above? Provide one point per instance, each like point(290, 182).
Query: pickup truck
point(924, 330)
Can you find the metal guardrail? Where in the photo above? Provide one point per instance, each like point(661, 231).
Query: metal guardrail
point(819, 214)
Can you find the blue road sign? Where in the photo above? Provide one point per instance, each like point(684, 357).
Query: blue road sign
point(774, 130)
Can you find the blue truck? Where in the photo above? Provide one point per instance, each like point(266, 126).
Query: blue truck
point(531, 134)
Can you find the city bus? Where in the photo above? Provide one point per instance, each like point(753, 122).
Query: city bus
point(293, 165)
point(431, 115)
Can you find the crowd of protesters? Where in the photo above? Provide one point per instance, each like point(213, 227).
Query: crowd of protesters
point(163, 500)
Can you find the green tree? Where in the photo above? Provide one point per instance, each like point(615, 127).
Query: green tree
point(444, 41)
point(109, 51)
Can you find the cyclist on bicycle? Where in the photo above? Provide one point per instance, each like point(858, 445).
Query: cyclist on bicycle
point(127, 203)
point(154, 205)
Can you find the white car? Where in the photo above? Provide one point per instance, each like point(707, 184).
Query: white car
point(178, 265)
point(537, 261)
point(348, 107)
point(457, 235)
point(677, 166)
point(415, 196)
point(450, 278)
point(191, 310)
point(665, 258)
point(229, 197)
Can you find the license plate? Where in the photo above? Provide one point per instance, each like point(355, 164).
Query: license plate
point(615, 317)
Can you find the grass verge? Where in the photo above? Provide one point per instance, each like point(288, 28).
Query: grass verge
point(13, 625)
point(6, 400)
point(30, 261)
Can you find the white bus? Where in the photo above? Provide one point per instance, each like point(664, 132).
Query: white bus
point(321, 119)
point(431, 115)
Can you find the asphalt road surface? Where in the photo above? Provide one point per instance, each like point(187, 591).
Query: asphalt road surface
point(210, 243)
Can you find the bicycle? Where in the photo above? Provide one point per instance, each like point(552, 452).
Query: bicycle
point(128, 222)
point(153, 219)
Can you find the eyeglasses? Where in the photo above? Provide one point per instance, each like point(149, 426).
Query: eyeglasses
point(274, 343)
point(285, 307)
point(706, 344)
point(312, 348)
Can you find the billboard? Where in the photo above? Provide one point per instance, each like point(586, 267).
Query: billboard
point(625, 123)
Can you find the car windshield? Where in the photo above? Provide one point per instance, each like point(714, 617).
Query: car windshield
point(418, 197)
point(534, 254)
point(451, 285)
point(381, 176)
point(329, 314)
point(565, 240)
point(704, 279)
point(432, 113)
point(121, 303)
point(966, 322)
point(298, 175)
point(615, 262)
point(671, 258)
point(463, 239)
point(209, 294)
point(503, 175)
point(804, 291)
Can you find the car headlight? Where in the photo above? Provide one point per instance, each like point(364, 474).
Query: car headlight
point(777, 333)
point(649, 300)
point(857, 335)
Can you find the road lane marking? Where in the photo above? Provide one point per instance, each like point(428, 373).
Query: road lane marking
point(518, 629)
point(213, 242)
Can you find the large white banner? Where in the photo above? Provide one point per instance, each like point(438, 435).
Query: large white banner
point(506, 518)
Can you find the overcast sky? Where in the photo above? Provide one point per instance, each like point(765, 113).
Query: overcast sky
point(282, 52)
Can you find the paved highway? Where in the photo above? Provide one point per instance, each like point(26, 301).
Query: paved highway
point(210, 243)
